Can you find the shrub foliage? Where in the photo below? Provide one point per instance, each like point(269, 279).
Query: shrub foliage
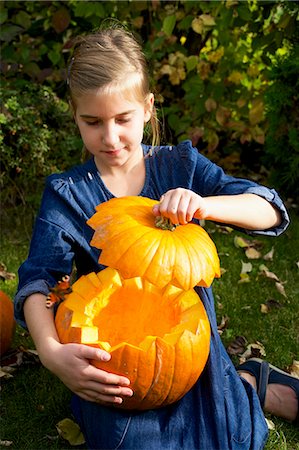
point(211, 65)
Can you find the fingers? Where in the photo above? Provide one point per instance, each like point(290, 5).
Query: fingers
point(105, 394)
point(178, 205)
point(78, 372)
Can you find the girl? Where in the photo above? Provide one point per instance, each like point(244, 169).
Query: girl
point(112, 103)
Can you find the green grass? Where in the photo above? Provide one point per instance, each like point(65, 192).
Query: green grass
point(33, 401)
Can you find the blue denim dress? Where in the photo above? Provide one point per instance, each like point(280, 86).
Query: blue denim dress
point(221, 411)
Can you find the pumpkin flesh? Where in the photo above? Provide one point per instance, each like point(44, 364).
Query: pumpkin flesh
point(158, 338)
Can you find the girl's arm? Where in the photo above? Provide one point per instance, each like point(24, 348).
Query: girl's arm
point(70, 362)
point(247, 211)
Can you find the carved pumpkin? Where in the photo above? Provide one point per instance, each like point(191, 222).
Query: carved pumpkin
point(7, 322)
point(158, 338)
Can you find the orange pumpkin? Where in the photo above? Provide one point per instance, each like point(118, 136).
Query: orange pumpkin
point(7, 322)
point(158, 338)
point(126, 231)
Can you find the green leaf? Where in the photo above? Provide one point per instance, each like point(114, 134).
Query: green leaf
point(70, 431)
point(3, 15)
point(169, 24)
point(191, 62)
point(23, 19)
point(9, 32)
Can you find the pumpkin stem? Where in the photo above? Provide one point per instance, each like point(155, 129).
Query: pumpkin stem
point(164, 223)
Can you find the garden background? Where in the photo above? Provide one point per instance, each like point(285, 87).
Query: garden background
point(225, 75)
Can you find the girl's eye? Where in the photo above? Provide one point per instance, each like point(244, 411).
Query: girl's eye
point(123, 120)
point(92, 123)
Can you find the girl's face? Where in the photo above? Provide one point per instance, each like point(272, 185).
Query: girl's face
point(111, 127)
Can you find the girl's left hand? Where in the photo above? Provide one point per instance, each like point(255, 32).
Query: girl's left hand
point(180, 206)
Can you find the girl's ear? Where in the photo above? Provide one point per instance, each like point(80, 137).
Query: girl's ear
point(148, 108)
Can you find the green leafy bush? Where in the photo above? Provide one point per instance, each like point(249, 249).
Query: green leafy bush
point(282, 142)
point(210, 63)
point(37, 137)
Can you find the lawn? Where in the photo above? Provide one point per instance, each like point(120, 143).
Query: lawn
point(256, 299)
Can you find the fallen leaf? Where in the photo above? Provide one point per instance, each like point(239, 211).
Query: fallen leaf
point(270, 424)
point(6, 443)
point(294, 369)
point(252, 253)
point(224, 229)
point(244, 278)
point(4, 373)
point(264, 308)
point(246, 267)
point(255, 350)
point(223, 324)
point(280, 288)
point(270, 304)
point(269, 256)
point(264, 271)
point(241, 242)
point(237, 346)
point(4, 274)
point(70, 431)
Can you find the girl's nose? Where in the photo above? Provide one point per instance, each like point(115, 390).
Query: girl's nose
point(110, 136)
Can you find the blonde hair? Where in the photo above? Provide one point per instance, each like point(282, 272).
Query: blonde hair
point(111, 60)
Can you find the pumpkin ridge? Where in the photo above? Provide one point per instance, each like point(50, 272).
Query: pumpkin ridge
point(205, 270)
point(128, 254)
point(207, 246)
point(164, 270)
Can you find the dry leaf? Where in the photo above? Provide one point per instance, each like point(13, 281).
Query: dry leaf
point(255, 350)
point(6, 443)
point(269, 256)
point(237, 346)
point(270, 304)
point(4, 274)
point(264, 271)
point(280, 288)
point(294, 369)
point(270, 424)
point(4, 373)
point(252, 253)
point(241, 242)
point(70, 431)
point(264, 308)
point(223, 324)
point(246, 267)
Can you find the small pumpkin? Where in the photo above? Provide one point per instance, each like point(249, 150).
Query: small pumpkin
point(131, 241)
point(7, 322)
point(158, 338)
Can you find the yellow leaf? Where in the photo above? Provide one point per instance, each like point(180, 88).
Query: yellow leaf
point(70, 431)
point(252, 253)
point(197, 25)
point(256, 113)
point(294, 369)
point(240, 242)
point(264, 308)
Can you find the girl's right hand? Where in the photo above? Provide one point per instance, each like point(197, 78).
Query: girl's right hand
point(71, 363)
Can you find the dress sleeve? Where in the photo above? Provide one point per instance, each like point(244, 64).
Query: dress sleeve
point(210, 179)
point(51, 251)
